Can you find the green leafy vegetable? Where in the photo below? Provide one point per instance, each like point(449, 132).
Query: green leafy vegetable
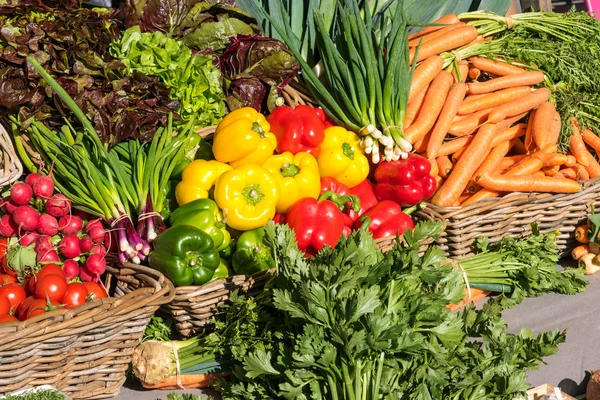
point(159, 328)
point(188, 396)
point(37, 394)
point(21, 258)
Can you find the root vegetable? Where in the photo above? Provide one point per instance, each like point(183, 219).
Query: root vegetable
point(26, 218)
point(85, 275)
point(96, 265)
point(593, 386)
point(70, 224)
point(581, 234)
point(96, 223)
point(48, 225)
point(7, 206)
point(58, 205)
point(86, 244)
point(21, 193)
point(589, 263)
point(31, 178)
point(69, 246)
point(580, 251)
point(99, 249)
point(29, 238)
point(8, 227)
point(43, 187)
point(71, 269)
point(97, 234)
point(43, 244)
point(48, 256)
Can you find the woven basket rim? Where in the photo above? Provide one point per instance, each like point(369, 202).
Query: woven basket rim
point(12, 167)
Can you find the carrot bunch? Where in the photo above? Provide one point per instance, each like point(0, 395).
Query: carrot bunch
point(485, 127)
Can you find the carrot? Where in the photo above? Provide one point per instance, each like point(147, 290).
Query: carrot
point(414, 107)
point(468, 125)
point(519, 147)
point(192, 381)
point(495, 99)
point(555, 159)
point(420, 145)
point(577, 146)
point(580, 251)
point(463, 197)
point(510, 161)
point(455, 145)
point(508, 134)
point(528, 142)
point(555, 127)
point(526, 78)
point(433, 35)
point(465, 167)
point(447, 114)
point(458, 154)
point(474, 73)
point(509, 121)
point(527, 183)
point(568, 173)
point(460, 74)
point(444, 166)
point(432, 105)
point(491, 162)
point(500, 68)
point(539, 173)
point(582, 172)
point(452, 40)
point(424, 74)
point(582, 234)
point(438, 24)
point(473, 97)
point(571, 161)
point(541, 125)
point(519, 105)
point(593, 168)
point(592, 140)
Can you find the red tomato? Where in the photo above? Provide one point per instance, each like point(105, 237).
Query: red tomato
point(75, 296)
point(51, 287)
point(4, 305)
point(95, 291)
point(6, 279)
point(50, 269)
point(24, 307)
point(40, 306)
point(14, 293)
point(4, 263)
point(7, 318)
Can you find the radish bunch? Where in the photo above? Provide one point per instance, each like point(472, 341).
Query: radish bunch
point(40, 218)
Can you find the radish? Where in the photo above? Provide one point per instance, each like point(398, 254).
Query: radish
point(48, 256)
point(43, 187)
point(69, 246)
point(21, 193)
point(71, 269)
point(86, 244)
point(86, 275)
point(99, 249)
point(29, 238)
point(58, 205)
point(70, 224)
point(95, 223)
point(7, 206)
point(111, 242)
point(48, 225)
point(95, 265)
point(8, 227)
point(43, 244)
point(26, 218)
point(97, 235)
point(82, 214)
point(31, 178)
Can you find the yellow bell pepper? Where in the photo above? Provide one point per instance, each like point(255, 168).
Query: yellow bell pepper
point(297, 176)
point(244, 137)
point(247, 195)
point(342, 158)
point(197, 179)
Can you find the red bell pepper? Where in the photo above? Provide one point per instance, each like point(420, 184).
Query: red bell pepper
point(323, 117)
point(386, 218)
point(407, 182)
point(297, 129)
point(317, 223)
point(365, 191)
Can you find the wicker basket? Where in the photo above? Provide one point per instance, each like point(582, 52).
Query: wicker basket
point(512, 215)
point(10, 165)
point(84, 352)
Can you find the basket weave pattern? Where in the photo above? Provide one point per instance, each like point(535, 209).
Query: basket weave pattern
point(512, 215)
point(83, 352)
point(10, 165)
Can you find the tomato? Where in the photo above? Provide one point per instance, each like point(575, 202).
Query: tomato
point(14, 293)
point(3, 250)
point(24, 307)
point(4, 305)
point(7, 279)
point(7, 318)
point(50, 269)
point(40, 306)
point(95, 291)
point(75, 296)
point(51, 287)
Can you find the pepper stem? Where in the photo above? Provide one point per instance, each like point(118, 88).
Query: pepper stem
point(193, 259)
point(289, 170)
point(258, 129)
point(414, 208)
point(253, 194)
point(348, 150)
point(342, 201)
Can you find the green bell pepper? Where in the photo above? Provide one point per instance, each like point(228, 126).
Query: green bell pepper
point(197, 149)
point(252, 255)
point(186, 255)
point(221, 272)
point(205, 215)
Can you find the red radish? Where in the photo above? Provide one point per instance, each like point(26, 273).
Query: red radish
point(96, 223)
point(70, 224)
point(43, 187)
point(71, 269)
point(86, 244)
point(31, 178)
point(58, 205)
point(26, 218)
point(69, 246)
point(110, 242)
point(99, 249)
point(81, 214)
point(48, 225)
point(21, 193)
point(29, 238)
point(8, 227)
point(7, 206)
point(48, 256)
point(96, 265)
point(86, 275)
point(97, 235)
point(43, 244)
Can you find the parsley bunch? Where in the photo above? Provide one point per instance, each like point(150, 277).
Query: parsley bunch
point(352, 323)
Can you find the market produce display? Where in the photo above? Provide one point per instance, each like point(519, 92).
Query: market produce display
point(199, 147)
